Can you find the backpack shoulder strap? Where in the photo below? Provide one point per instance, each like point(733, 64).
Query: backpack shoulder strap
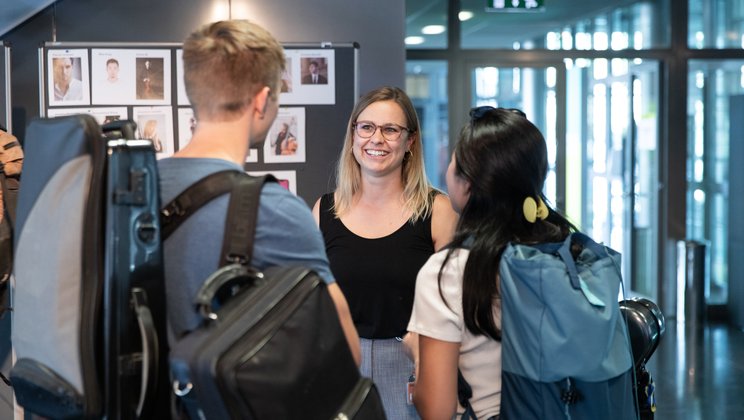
point(242, 216)
point(240, 226)
point(173, 214)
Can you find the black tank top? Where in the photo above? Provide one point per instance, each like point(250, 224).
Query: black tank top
point(377, 276)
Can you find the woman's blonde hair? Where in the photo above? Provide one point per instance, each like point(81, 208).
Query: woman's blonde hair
point(416, 187)
point(226, 63)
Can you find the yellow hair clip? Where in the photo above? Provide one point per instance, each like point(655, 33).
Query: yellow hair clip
point(534, 210)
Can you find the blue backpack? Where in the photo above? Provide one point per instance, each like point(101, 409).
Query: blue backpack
point(565, 347)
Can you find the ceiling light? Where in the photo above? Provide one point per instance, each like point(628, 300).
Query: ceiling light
point(465, 15)
point(433, 29)
point(414, 40)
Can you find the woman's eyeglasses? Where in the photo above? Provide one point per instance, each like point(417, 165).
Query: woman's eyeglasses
point(390, 132)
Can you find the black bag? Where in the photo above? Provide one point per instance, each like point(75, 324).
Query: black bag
point(646, 326)
point(271, 346)
point(89, 308)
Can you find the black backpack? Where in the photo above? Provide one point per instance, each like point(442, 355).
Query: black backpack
point(271, 344)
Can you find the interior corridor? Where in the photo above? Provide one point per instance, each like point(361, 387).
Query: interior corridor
point(699, 372)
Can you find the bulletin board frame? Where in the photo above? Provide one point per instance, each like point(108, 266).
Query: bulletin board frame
point(151, 93)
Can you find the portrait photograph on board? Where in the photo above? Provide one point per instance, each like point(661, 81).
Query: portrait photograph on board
point(68, 82)
point(286, 139)
point(156, 124)
point(113, 76)
point(314, 71)
point(311, 77)
point(152, 77)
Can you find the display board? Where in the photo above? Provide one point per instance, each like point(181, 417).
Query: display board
point(5, 107)
point(144, 82)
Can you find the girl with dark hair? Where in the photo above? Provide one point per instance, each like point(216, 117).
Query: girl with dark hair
point(495, 181)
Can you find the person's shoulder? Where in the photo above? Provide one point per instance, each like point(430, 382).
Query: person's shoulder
point(440, 200)
point(280, 203)
point(443, 220)
point(176, 174)
point(441, 206)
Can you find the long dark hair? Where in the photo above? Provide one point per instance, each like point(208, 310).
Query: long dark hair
point(504, 158)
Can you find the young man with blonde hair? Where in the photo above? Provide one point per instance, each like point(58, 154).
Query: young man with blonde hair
point(232, 75)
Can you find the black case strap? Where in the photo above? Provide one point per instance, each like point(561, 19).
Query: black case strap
point(242, 213)
point(173, 214)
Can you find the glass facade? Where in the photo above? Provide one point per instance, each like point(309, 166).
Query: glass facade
point(426, 84)
point(530, 89)
point(637, 161)
point(716, 24)
point(711, 86)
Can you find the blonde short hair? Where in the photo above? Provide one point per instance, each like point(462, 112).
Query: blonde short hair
point(226, 63)
point(416, 190)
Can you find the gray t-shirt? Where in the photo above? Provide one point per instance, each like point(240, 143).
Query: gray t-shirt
point(286, 234)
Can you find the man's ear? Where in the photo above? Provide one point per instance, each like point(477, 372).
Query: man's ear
point(261, 100)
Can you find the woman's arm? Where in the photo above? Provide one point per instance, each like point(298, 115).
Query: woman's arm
point(435, 394)
point(316, 212)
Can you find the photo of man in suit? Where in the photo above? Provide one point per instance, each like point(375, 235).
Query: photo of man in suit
point(150, 78)
point(314, 77)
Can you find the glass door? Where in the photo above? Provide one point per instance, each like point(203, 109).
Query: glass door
point(536, 90)
point(621, 171)
point(600, 121)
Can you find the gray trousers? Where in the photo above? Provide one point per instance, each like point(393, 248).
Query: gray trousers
point(387, 365)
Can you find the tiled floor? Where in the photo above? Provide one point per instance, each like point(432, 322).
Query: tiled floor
point(699, 372)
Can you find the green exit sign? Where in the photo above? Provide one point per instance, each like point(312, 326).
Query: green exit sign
point(514, 5)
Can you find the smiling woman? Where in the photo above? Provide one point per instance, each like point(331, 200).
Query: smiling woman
point(380, 226)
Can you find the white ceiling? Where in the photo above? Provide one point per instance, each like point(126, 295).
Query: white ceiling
point(15, 12)
point(501, 30)
point(420, 13)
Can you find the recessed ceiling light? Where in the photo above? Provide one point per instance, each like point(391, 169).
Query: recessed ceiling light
point(433, 29)
point(465, 15)
point(414, 40)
